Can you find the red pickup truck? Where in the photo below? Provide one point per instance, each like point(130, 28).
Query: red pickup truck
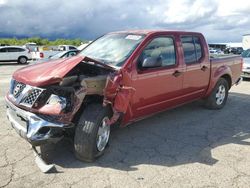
point(119, 78)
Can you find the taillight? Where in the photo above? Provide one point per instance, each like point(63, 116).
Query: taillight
point(41, 55)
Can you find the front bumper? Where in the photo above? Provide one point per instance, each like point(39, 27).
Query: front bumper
point(33, 128)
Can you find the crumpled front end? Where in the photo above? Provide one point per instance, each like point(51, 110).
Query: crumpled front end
point(26, 118)
point(33, 128)
point(118, 95)
point(43, 113)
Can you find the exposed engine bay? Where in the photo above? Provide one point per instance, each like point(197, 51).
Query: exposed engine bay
point(91, 77)
point(84, 82)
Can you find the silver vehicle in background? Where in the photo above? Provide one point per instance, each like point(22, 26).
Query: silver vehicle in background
point(246, 64)
point(59, 55)
point(66, 47)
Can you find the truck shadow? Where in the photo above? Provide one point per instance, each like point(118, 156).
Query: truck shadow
point(180, 136)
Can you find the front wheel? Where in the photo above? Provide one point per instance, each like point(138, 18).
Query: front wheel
point(218, 96)
point(92, 132)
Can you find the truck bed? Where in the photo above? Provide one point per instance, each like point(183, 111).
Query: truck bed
point(230, 64)
point(222, 56)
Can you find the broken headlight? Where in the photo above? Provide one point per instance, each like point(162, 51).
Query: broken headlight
point(57, 100)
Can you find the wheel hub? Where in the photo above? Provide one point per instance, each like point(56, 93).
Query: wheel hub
point(22, 60)
point(220, 95)
point(103, 135)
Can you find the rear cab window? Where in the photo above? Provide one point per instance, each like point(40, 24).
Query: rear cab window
point(192, 49)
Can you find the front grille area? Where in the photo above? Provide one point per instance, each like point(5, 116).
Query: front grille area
point(17, 88)
point(31, 98)
point(24, 94)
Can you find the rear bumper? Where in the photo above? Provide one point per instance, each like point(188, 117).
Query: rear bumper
point(33, 128)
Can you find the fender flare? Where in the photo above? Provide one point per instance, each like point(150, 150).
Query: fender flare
point(223, 71)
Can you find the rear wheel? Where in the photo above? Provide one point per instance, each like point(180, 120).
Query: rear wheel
point(92, 132)
point(22, 60)
point(218, 97)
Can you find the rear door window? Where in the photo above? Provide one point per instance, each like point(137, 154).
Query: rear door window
point(189, 49)
point(15, 50)
point(198, 48)
point(192, 49)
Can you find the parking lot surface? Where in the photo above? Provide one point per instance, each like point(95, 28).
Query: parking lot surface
point(189, 146)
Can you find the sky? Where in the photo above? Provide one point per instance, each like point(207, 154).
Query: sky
point(218, 20)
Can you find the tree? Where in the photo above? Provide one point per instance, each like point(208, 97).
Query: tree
point(41, 41)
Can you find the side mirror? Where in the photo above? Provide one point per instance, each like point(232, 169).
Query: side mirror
point(152, 62)
point(50, 56)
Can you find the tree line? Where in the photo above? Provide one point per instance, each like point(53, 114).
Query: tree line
point(41, 41)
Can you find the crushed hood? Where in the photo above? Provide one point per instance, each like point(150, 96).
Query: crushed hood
point(42, 74)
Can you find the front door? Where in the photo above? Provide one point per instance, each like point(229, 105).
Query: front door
point(157, 88)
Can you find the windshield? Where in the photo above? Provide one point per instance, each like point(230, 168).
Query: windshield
point(246, 53)
point(113, 49)
point(57, 56)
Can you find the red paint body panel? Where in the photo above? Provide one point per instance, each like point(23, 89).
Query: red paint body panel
point(138, 94)
point(230, 66)
point(49, 72)
point(46, 73)
point(158, 90)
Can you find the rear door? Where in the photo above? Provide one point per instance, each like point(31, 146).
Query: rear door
point(157, 88)
point(197, 73)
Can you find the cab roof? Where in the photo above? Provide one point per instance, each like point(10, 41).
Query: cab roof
point(152, 31)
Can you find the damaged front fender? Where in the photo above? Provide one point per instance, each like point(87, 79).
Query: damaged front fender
point(118, 95)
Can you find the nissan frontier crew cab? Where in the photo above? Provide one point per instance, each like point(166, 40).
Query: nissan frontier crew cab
point(119, 78)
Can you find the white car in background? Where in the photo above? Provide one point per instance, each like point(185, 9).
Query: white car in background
point(66, 47)
point(14, 53)
point(215, 51)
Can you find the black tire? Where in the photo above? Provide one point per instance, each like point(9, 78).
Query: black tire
point(85, 140)
point(22, 60)
point(211, 101)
